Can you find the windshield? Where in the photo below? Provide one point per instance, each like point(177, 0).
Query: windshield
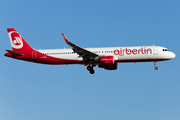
point(165, 50)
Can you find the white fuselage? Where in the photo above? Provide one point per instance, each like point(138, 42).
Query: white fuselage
point(121, 54)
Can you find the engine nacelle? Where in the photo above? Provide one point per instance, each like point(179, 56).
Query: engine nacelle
point(108, 63)
point(107, 59)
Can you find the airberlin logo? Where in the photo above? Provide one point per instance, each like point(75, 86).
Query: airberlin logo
point(127, 51)
point(16, 40)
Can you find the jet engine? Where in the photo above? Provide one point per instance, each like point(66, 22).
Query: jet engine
point(108, 63)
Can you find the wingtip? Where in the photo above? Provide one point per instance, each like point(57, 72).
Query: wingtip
point(65, 38)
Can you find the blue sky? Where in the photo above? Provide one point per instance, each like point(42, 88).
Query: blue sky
point(30, 91)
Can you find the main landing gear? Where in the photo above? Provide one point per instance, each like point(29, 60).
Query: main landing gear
point(155, 65)
point(90, 69)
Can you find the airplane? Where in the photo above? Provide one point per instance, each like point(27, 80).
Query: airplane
point(104, 57)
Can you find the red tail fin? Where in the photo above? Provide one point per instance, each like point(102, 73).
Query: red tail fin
point(17, 42)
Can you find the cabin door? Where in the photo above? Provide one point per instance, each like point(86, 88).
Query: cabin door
point(155, 50)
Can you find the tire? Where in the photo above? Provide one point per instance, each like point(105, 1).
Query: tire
point(92, 71)
point(156, 68)
point(89, 68)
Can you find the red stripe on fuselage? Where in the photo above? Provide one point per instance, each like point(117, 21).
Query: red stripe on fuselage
point(43, 59)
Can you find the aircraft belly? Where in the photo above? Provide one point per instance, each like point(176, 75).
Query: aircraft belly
point(139, 58)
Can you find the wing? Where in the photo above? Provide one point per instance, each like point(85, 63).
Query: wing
point(87, 55)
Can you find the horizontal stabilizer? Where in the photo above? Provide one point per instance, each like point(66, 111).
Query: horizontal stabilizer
point(14, 53)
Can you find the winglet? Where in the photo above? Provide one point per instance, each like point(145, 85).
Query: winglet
point(65, 38)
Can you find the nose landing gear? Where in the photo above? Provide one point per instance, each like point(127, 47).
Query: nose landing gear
point(155, 65)
point(90, 69)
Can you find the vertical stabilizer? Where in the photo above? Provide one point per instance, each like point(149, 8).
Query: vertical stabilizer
point(17, 42)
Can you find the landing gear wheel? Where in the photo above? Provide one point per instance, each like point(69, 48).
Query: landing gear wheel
point(155, 67)
point(89, 68)
point(92, 71)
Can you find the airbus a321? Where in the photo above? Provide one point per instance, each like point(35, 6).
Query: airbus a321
point(104, 57)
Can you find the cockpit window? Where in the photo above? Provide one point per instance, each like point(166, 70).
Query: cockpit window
point(165, 50)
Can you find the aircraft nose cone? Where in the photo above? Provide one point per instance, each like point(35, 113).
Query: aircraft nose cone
point(172, 55)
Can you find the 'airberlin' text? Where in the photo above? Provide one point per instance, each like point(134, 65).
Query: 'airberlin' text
point(127, 51)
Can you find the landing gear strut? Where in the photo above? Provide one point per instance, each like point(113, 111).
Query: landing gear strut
point(155, 65)
point(90, 69)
